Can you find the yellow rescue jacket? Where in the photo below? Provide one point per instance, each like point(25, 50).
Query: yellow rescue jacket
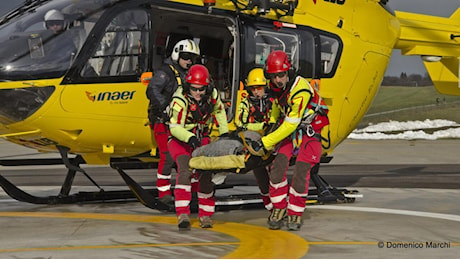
point(245, 119)
point(298, 98)
point(183, 124)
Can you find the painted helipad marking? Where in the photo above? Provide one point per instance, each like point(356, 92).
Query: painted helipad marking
point(254, 241)
point(391, 211)
point(250, 237)
point(372, 243)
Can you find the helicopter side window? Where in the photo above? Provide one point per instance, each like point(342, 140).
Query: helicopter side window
point(298, 43)
point(314, 53)
point(123, 48)
point(266, 42)
point(329, 54)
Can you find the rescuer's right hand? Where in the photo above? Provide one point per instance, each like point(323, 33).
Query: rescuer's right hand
point(193, 142)
point(257, 148)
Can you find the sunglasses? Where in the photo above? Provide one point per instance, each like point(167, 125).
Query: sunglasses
point(54, 23)
point(202, 89)
point(187, 56)
point(274, 75)
point(256, 87)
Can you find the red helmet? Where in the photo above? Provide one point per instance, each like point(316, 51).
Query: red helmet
point(277, 61)
point(198, 74)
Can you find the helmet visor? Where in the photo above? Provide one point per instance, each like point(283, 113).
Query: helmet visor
point(194, 89)
point(274, 75)
point(188, 56)
point(257, 87)
point(54, 23)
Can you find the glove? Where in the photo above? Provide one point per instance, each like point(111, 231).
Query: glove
point(165, 118)
point(257, 148)
point(193, 142)
point(256, 145)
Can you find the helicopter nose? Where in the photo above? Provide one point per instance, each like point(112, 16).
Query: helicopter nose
point(19, 103)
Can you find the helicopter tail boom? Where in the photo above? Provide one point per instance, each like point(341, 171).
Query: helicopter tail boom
point(437, 41)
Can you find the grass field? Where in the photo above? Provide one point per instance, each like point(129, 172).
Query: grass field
point(411, 103)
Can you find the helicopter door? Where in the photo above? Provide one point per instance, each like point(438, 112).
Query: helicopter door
point(216, 36)
point(123, 48)
point(116, 58)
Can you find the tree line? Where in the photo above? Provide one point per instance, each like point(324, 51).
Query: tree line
point(412, 80)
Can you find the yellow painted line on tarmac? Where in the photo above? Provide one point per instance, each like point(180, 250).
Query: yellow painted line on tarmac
point(253, 241)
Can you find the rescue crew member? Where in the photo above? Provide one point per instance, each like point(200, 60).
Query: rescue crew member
point(59, 48)
point(166, 80)
point(258, 112)
point(54, 21)
point(304, 116)
point(192, 111)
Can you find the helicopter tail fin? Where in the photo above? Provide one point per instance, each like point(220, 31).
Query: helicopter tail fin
point(437, 41)
point(456, 15)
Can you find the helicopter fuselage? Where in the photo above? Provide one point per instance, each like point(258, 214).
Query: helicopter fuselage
point(94, 103)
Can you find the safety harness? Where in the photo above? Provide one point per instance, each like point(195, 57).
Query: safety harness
point(311, 123)
point(198, 113)
point(259, 110)
point(177, 75)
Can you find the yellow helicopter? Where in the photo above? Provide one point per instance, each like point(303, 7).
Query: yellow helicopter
point(91, 102)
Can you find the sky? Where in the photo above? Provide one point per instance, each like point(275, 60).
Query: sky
point(398, 62)
point(431, 7)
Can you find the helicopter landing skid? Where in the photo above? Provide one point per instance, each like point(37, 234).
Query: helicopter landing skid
point(323, 194)
point(149, 197)
point(20, 195)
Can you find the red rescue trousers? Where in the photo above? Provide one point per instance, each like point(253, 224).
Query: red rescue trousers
point(261, 174)
point(309, 155)
point(165, 165)
point(181, 153)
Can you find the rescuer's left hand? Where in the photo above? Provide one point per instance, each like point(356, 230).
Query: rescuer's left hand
point(193, 142)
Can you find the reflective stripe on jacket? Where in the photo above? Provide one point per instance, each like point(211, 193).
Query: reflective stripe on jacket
point(299, 97)
point(182, 124)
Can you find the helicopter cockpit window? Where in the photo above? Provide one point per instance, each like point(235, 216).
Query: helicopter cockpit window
point(123, 48)
point(329, 53)
point(43, 42)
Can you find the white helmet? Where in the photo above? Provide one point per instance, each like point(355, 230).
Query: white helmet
point(54, 15)
point(184, 46)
